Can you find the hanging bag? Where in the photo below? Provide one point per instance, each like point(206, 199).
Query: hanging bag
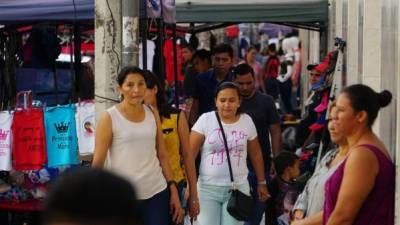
point(240, 205)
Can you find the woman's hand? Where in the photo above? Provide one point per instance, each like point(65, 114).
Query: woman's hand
point(175, 205)
point(194, 206)
point(263, 194)
point(298, 214)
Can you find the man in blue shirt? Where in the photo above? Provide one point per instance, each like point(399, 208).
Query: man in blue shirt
point(206, 83)
point(262, 110)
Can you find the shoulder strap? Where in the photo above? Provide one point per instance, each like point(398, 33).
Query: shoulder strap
point(149, 107)
point(226, 146)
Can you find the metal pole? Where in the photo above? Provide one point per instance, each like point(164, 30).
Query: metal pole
point(143, 31)
point(175, 67)
point(144, 42)
point(76, 76)
point(130, 28)
point(160, 43)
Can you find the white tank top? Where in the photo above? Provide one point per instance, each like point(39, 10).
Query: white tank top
point(133, 153)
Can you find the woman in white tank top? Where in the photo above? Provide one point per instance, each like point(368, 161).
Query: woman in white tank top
point(129, 143)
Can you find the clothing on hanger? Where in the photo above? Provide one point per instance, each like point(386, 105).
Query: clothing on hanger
point(61, 136)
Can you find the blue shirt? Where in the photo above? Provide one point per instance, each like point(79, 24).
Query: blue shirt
point(205, 87)
point(262, 110)
point(61, 138)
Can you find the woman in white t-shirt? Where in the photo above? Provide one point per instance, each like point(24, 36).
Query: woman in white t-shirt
point(128, 135)
point(211, 191)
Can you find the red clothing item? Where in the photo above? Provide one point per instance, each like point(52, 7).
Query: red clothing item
point(29, 143)
point(272, 67)
point(169, 61)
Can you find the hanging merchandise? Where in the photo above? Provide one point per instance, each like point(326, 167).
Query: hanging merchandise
point(28, 143)
point(62, 146)
point(5, 140)
point(153, 10)
point(169, 61)
point(232, 31)
point(85, 126)
point(150, 54)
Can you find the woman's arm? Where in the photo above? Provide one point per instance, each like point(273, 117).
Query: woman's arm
point(254, 150)
point(260, 76)
point(103, 140)
point(360, 171)
point(276, 142)
point(189, 156)
point(175, 204)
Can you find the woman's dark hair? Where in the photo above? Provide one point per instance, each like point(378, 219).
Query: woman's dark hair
point(164, 109)
point(272, 47)
point(252, 48)
point(129, 70)
point(363, 98)
point(230, 85)
point(284, 160)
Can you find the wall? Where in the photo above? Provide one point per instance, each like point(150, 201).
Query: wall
point(371, 29)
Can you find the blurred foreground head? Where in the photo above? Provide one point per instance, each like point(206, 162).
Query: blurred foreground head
point(91, 197)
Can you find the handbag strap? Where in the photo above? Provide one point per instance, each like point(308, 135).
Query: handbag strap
point(226, 148)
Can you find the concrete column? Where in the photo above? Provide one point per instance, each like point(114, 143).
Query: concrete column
point(338, 26)
point(397, 204)
point(130, 33)
point(331, 23)
point(372, 48)
point(339, 18)
point(314, 47)
point(107, 52)
point(352, 43)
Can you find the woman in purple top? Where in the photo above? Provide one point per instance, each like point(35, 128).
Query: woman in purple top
point(361, 190)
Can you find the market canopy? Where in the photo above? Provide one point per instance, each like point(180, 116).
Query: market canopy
point(293, 11)
point(13, 11)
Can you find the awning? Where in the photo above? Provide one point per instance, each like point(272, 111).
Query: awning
point(292, 11)
point(14, 11)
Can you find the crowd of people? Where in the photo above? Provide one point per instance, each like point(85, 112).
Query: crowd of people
point(176, 159)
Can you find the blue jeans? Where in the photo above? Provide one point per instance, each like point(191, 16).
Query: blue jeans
point(156, 209)
point(213, 202)
point(259, 207)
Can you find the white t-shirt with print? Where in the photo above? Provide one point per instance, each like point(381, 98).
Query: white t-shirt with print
point(5, 140)
point(214, 169)
point(85, 127)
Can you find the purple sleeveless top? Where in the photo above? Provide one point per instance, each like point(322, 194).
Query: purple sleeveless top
point(378, 208)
